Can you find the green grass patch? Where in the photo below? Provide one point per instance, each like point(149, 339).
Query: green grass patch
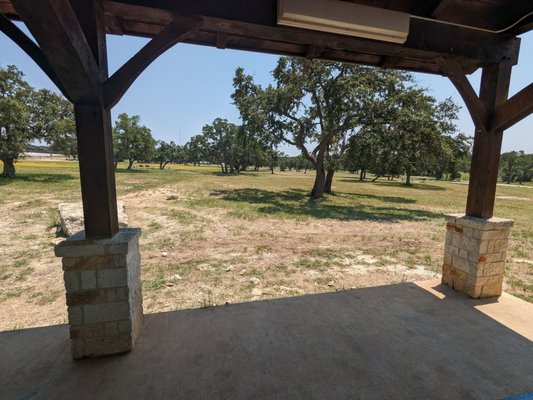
point(12, 293)
point(311, 263)
point(183, 217)
point(44, 298)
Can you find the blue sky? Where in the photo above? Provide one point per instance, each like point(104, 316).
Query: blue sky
point(189, 86)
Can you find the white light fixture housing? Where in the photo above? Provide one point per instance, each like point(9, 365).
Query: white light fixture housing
point(345, 18)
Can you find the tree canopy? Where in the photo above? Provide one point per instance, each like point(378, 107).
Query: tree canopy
point(28, 115)
point(322, 107)
point(132, 141)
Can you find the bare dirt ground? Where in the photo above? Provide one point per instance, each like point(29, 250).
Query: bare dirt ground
point(269, 257)
point(201, 259)
point(208, 240)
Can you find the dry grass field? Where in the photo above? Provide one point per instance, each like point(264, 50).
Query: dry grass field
point(210, 239)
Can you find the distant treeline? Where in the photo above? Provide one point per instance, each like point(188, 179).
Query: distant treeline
point(516, 166)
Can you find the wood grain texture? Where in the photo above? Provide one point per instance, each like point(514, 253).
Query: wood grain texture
point(56, 29)
point(514, 109)
point(117, 85)
point(487, 144)
point(31, 49)
point(475, 107)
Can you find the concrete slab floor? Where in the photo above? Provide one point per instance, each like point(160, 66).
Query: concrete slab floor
point(405, 341)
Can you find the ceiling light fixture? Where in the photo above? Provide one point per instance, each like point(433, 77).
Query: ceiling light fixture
point(345, 18)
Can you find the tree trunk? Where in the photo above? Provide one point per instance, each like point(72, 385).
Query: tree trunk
point(130, 164)
point(9, 168)
point(362, 175)
point(329, 180)
point(408, 178)
point(376, 178)
point(320, 180)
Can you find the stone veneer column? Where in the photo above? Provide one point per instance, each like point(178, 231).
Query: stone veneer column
point(104, 297)
point(474, 254)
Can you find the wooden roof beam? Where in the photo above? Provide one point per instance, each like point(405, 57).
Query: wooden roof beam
point(313, 52)
point(117, 85)
point(427, 8)
point(475, 107)
point(54, 25)
point(257, 19)
point(222, 40)
point(31, 49)
point(514, 109)
point(390, 62)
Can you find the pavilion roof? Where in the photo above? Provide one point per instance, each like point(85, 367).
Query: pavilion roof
point(252, 25)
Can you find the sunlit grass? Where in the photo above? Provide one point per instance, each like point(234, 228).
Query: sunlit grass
point(252, 197)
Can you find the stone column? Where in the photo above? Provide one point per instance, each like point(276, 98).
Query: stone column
point(104, 296)
point(475, 253)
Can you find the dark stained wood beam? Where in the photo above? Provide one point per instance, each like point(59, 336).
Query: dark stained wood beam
point(257, 19)
point(114, 25)
point(90, 14)
point(475, 107)
point(73, 41)
point(514, 110)
point(390, 62)
point(7, 8)
point(426, 8)
point(94, 134)
point(31, 49)
point(97, 175)
point(121, 80)
point(313, 52)
point(487, 144)
point(222, 40)
point(55, 27)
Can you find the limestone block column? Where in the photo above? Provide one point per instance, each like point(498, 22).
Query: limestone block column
point(104, 296)
point(475, 253)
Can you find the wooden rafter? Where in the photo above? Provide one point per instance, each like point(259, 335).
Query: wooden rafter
point(90, 15)
point(222, 40)
point(31, 49)
point(255, 20)
point(121, 80)
point(390, 62)
point(426, 8)
point(313, 52)
point(58, 32)
point(475, 107)
point(514, 110)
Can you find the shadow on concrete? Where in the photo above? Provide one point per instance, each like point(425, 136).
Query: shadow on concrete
point(293, 202)
point(392, 342)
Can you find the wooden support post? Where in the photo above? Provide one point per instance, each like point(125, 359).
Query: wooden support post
point(95, 154)
point(71, 37)
point(95, 136)
point(487, 143)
